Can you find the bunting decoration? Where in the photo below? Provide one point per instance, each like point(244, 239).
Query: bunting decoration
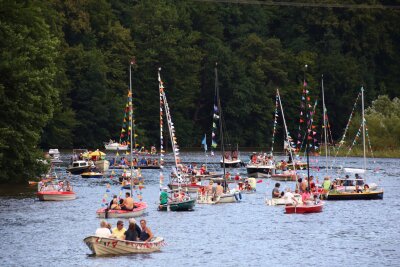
point(161, 138)
point(104, 201)
point(355, 140)
point(275, 122)
point(214, 127)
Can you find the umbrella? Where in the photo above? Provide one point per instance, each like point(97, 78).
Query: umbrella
point(97, 153)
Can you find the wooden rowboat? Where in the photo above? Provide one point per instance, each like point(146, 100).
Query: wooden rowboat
point(191, 188)
point(110, 246)
point(304, 208)
point(336, 195)
point(56, 195)
point(136, 212)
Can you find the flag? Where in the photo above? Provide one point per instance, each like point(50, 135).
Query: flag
point(204, 142)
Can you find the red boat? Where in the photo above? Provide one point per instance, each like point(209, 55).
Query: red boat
point(304, 208)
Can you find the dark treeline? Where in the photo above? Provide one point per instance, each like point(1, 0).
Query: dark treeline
point(64, 69)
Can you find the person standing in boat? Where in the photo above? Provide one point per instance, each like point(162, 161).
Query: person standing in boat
point(132, 234)
point(219, 190)
point(359, 180)
point(163, 197)
point(146, 234)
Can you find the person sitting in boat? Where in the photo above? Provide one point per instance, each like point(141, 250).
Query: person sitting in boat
point(275, 191)
point(146, 234)
point(103, 231)
point(303, 185)
point(366, 188)
point(143, 162)
point(115, 205)
point(347, 181)
point(289, 197)
point(209, 189)
point(359, 180)
point(112, 201)
point(134, 162)
point(306, 198)
point(228, 175)
point(132, 234)
point(155, 162)
point(313, 188)
point(247, 186)
point(119, 231)
point(153, 150)
point(283, 165)
point(227, 155)
point(203, 170)
point(164, 197)
point(219, 190)
point(235, 155)
point(357, 189)
point(128, 204)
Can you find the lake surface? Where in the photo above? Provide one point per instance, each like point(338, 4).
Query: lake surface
point(249, 233)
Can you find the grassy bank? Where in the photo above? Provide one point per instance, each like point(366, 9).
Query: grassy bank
point(358, 152)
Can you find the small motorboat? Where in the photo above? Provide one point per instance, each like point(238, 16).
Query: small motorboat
point(337, 195)
point(136, 212)
point(230, 197)
point(110, 246)
point(284, 176)
point(79, 167)
point(282, 200)
point(115, 146)
point(304, 208)
point(92, 175)
point(55, 192)
point(259, 170)
point(55, 156)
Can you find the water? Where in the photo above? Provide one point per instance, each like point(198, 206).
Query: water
point(35, 233)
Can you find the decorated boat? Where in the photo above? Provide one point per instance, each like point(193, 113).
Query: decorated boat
point(282, 200)
point(190, 187)
point(136, 212)
point(101, 246)
point(304, 208)
point(259, 170)
point(178, 200)
point(369, 195)
point(79, 167)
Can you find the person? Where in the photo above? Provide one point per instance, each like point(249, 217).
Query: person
point(306, 197)
point(247, 186)
point(128, 202)
point(326, 184)
point(68, 187)
point(312, 184)
point(357, 189)
point(348, 182)
point(163, 197)
point(119, 231)
point(219, 190)
point(209, 188)
point(303, 185)
point(112, 201)
point(115, 205)
point(289, 197)
point(103, 231)
point(131, 234)
point(366, 188)
point(359, 180)
point(146, 234)
point(143, 162)
point(275, 191)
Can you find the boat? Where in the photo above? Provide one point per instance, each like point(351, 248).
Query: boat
point(227, 196)
point(101, 246)
point(341, 188)
point(115, 146)
point(79, 167)
point(136, 212)
point(284, 176)
point(304, 208)
point(259, 170)
point(54, 156)
point(178, 200)
point(281, 200)
point(55, 191)
point(92, 175)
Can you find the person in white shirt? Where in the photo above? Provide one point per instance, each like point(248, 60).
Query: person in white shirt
point(103, 231)
point(289, 197)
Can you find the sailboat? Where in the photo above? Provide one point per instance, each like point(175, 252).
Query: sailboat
point(178, 200)
point(140, 205)
point(226, 196)
point(354, 185)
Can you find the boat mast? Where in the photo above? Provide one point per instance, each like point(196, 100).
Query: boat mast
point(325, 125)
point(286, 131)
point(131, 124)
point(308, 124)
point(220, 124)
point(363, 126)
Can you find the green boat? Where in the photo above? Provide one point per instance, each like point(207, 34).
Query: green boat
point(186, 205)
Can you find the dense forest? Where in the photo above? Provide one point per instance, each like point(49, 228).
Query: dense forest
point(64, 70)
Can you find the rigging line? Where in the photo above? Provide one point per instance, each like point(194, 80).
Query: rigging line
point(302, 4)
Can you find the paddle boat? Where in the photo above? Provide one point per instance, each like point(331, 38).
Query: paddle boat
point(247, 185)
point(111, 246)
point(136, 212)
point(55, 191)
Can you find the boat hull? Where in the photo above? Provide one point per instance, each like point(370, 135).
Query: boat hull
point(225, 198)
point(232, 163)
point(354, 196)
point(102, 165)
point(101, 246)
point(284, 177)
point(179, 206)
point(259, 171)
point(138, 211)
point(304, 208)
point(116, 146)
point(55, 196)
point(92, 175)
point(78, 170)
